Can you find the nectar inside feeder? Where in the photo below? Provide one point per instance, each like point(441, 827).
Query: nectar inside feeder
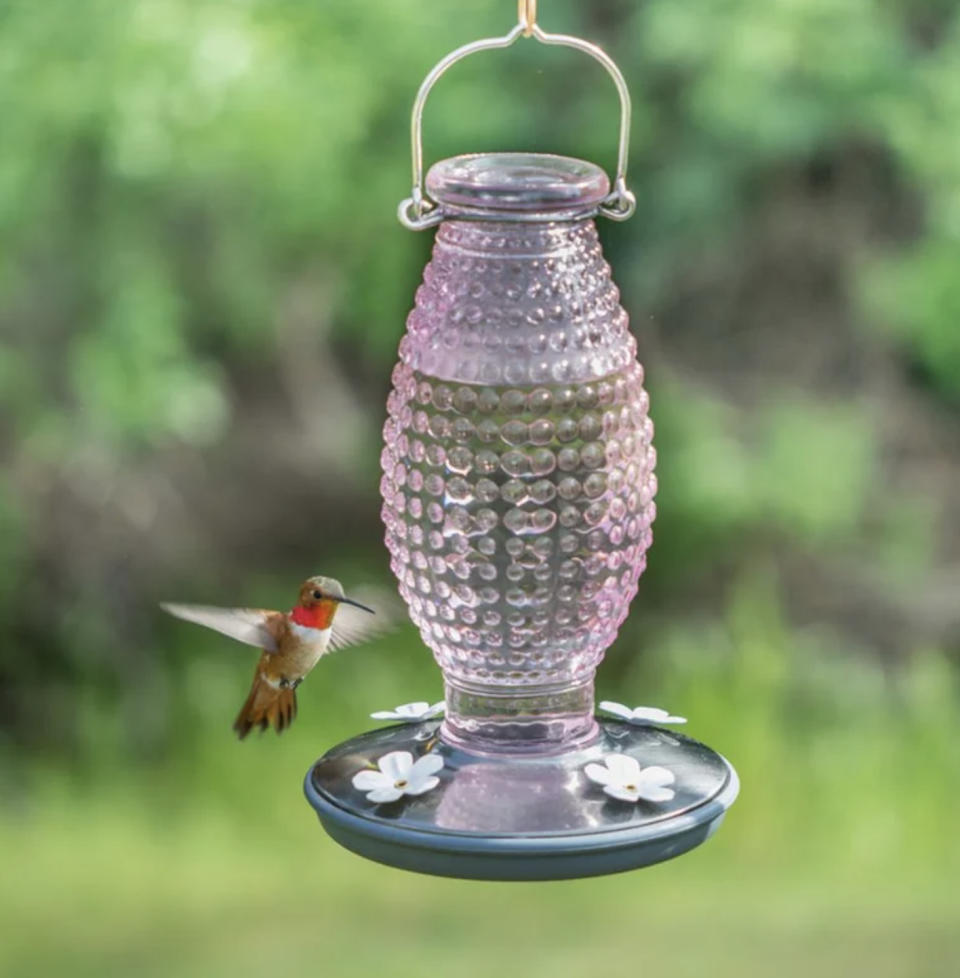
point(518, 494)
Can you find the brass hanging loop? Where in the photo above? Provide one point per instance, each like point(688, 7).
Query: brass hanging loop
point(527, 16)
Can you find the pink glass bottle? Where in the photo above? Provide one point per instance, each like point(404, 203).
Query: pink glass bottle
point(518, 475)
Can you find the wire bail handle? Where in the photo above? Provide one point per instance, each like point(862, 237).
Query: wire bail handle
point(418, 211)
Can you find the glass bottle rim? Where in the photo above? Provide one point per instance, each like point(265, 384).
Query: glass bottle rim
point(517, 186)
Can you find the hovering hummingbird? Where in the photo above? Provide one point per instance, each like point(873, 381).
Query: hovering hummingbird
point(323, 620)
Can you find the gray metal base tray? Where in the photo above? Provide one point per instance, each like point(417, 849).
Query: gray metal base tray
point(519, 818)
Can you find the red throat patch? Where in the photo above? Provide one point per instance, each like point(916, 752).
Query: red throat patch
point(318, 616)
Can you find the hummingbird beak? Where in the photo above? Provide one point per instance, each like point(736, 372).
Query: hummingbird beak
point(356, 604)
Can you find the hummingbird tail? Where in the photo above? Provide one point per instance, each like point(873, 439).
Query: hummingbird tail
point(267, 705)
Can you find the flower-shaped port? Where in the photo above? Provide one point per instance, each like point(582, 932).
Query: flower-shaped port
point(640, 716)
point(399, 775)
point(411, 712)
point(622, 777)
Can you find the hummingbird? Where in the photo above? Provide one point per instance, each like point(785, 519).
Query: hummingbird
point(323, 620)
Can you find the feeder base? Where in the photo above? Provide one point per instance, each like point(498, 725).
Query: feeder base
point(522, 818)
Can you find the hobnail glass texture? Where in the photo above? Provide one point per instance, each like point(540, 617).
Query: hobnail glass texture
point(518, 477)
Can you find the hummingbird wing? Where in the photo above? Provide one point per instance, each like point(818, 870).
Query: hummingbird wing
point(253, 626)
point(352, 626)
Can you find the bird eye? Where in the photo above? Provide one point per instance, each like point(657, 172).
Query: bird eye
point(317, 595)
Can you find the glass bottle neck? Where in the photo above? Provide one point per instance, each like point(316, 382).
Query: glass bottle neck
point(517, 721)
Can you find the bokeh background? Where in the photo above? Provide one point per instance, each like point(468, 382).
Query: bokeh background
point(202, 287)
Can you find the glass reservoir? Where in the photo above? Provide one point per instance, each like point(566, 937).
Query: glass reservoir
point(518, 466)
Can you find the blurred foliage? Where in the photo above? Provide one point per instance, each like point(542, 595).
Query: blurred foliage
point(202, 286)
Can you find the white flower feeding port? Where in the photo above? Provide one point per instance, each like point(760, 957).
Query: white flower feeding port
point(411, 712)
point(622, 778)
point(518, 492)
point(398, 774)
point(641, 716)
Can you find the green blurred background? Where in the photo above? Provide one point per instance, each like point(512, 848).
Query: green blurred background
point(202, 287)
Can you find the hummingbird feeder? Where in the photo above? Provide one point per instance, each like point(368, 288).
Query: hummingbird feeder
point(518, 494)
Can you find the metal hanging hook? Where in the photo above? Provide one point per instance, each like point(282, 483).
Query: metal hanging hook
point(418, 211)
point(527, 16)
